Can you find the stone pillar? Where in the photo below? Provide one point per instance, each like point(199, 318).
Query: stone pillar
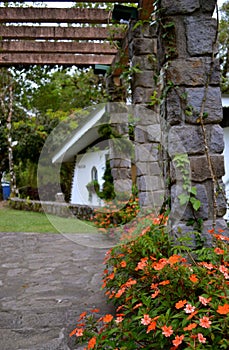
point(148, 137)
point(121, 149)
point(191, 89)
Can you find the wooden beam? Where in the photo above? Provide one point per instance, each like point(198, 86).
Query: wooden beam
point(53, 15)
point(48, 47)
point(56, 33)
point(10, 59)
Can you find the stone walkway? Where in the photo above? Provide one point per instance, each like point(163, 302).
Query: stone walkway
point(46, 281)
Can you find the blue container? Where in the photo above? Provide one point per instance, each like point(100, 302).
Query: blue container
point(5, 190)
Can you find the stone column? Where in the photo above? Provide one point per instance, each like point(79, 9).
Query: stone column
point(148, 137)
point(192, 89)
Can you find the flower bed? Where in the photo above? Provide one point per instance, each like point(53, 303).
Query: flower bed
point(167, 296)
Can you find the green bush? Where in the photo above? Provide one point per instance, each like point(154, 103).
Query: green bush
point(166, 296)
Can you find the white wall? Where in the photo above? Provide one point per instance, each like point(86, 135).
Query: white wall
point(82, 176)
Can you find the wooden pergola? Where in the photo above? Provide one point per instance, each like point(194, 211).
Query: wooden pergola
point(62, 36)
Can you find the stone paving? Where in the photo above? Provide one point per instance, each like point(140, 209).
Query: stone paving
point(46, 281)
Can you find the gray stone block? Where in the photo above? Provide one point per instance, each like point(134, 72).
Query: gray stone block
point(189, 139)
point(174, 110)
point(179, 6)
point(152, 200)
point(144, 79)
point(192, 72)
point(215, 137)
point(200, 168)
point(144, 134)
point(213, 104)
point(143, 115)
point(142, 95)
point(150, 183)
point(147, 152)
point(200, 35)
point(208, 6)
point(149, 168)
point(185, 139)
point(145, 62)
point(144, 46)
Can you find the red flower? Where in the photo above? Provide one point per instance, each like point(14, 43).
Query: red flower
point(107, 318)
point(152, 326)
point(201, 338)
point(223, 310)
point(205, 322)
point(146, 320)
point(204, 301)
point(178, 340)
point(219, 251)
point(190, 327)
point(193, 278)
point(91, 343)
point(167, 331)
point(123, 263)
point(180, 304)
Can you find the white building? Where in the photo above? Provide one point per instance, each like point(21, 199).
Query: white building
point(89, 153)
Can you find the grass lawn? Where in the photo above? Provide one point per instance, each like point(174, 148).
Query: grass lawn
point(25, 221)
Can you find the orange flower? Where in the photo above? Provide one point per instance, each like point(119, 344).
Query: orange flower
point(204, 301)
point(79, 332)
point(155, 294)
point(152, 326)
point(95, 310)
point(180, 304)
point(201, 338)
point(190, 327)
point(193, 278)
point(174, 259)
point(163, 283)
point(205, 322)
point(82, 315)
point(219, 251)
point(142, 263)
point(73, 332)
point(192, 315)
point(178, 340)
point(111, 276)
point(137, 306)
point(120, 292)
point(91, 343)
point(223, 310)
point(167, 331)
point(154, 285)
point(119, 319)
point(107, 318)
point(146, 320)
point(123, 263)
point(160, 265)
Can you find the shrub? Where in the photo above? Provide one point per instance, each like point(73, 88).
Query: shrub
point(117, 213)
point(166, 296)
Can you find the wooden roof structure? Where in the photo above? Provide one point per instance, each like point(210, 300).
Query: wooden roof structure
point(60, 36)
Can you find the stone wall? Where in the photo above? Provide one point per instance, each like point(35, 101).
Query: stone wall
point(176, 57)
point(193, 75)
point(148, 137)
point(82, 212)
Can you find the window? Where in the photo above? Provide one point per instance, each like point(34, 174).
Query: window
point(94, 174)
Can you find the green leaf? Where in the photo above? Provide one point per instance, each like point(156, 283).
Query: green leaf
point(195, 203)
point(184, 198)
